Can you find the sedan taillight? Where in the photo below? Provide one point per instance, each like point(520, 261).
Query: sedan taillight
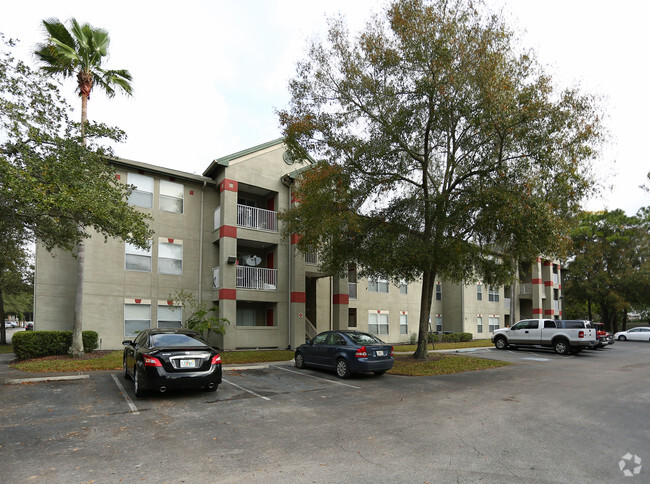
point(216, 359)
point(151, 361)
point(392, 351)
point(361, 352)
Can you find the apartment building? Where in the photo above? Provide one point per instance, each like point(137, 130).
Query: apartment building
point(217, 236)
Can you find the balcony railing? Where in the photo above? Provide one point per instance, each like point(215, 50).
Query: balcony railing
point(257, 218)
point(311, 258)
point(216, 281)
point(352, 290)
point(257, 278)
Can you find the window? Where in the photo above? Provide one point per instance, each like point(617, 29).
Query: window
point(142, 194)
point(170, 257)
point(377, 322)
point(136, 317)
point(438, 292)
point(169, 316)
point(493, 323)
point(403, 288)
point(479, 323)
point(246, 317)
point(171, 196)
point(439, 323)
point(493, 294)
point(403, 323)
point(479, 292)
point(335, 339)
point(137, 259)
point(377, 285)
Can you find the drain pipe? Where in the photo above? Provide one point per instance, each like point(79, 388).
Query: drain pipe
point(286, 180)
point(201, 244)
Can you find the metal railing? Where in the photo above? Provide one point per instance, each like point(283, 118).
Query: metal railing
point(257, 278)
point(257, 218)
point(311, 258)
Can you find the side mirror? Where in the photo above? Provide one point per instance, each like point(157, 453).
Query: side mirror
point(127, 342)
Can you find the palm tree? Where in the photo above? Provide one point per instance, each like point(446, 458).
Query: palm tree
point(81, 51)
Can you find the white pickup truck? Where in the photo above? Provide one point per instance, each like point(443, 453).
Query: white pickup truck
point(564, 336)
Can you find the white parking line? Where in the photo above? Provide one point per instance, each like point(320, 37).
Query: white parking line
point(317, 377)
point(132, 406)
point(246, 390)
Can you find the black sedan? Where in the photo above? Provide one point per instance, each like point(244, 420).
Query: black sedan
point(346, 352)
point(165, 358)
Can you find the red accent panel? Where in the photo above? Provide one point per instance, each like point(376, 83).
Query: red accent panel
point(170, 240)
point(228, 294)
point(548, 312)
point(548, 283)
point(547, 263)
point(539, 259)
point(537, 310)
point(228, 185)
point(191, 192)
point(295, 238)
point(298, 297)
point(269, 261)
point(341, 299)
point(537, 281)
point(269, 317)
point(559, 267)
point(294, 199)
point(138, 301)
point(270, 204)
point(559, 286)
point(227, 231)
point(119, 177)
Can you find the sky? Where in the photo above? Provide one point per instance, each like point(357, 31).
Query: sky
point(209, 76)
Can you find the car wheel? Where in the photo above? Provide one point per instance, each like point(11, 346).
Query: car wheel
point(207, 388)
point(561, 347)
point(342, 368)
point(501, 343)
point(622, 338)
point(300, 360)
point(126, 372)
point(139, 392)
point(379, 373)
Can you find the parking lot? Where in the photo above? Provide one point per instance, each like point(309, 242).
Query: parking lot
point(545, 418)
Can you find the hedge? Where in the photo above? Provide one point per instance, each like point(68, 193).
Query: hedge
point(34, 344)
point(450, 338)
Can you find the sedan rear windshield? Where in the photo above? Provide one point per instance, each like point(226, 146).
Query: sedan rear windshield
point(160, 340)
point(364, 339)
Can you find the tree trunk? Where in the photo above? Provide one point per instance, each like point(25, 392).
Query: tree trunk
point(3, 330)
point(624, 328)
point(428, 280)
point(589, 315)
point(77, 348)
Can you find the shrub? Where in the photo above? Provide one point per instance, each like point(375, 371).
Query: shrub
point(413, 338)
point(449, 338)
point(34, 344)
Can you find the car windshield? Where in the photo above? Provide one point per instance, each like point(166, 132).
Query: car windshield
point(160, 340)
point(364, 339)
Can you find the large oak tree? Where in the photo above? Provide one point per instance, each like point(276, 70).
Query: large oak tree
point(445, 149)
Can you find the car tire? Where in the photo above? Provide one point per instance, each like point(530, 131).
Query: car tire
point(561, 346)
point(139, 392)
point(622, 338)
point(575, 351)
point(126, 372)
point(379, 373)
point(500, 343)
point(208, 389)
point(300, 360)
point(342, 368)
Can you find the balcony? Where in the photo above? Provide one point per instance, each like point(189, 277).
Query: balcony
point(257, 218)
point(257, 278)
point(311, 258)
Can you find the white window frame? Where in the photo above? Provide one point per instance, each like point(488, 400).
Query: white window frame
point(403, 288)
point(378, 285)
point(174, 320)
point(493, 294)
point(439, 323)
point(164, 246)
point(438, 292)
point(404, 323)
point(493, 323)
point(378, 322)
point(131, 251)
point(479, 324)
point(167, 188)
point(138, 312)
point(143, 189)
point(479, 292)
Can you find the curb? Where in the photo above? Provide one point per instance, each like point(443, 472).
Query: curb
point(17, 381)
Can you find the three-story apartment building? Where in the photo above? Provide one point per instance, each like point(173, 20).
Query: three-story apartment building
point(218, 237)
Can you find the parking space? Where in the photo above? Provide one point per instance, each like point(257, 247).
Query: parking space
point(535, 354)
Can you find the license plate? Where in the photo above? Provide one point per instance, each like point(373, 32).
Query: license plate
point(188, 364)
point(380, 353)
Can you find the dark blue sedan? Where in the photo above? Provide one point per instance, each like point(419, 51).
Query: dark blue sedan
point(346, 352)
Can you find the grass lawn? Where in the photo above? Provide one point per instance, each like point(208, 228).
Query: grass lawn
point(439, 364)
point(478, 343)
point(6, 349)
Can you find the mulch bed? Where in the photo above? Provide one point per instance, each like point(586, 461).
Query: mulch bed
point(86, 356)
